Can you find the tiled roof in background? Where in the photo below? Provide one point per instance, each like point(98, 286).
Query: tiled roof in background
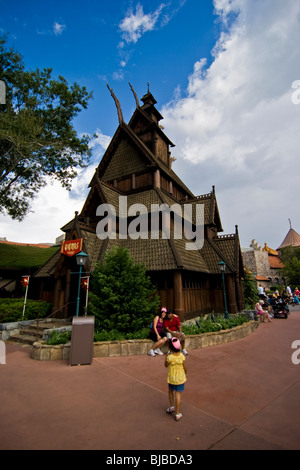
point(275, 262)
point(292, 239)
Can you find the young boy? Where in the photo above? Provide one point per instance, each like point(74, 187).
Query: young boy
point(175, 361)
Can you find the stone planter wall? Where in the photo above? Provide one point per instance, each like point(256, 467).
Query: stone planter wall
point(8, 329)
point(45, 352)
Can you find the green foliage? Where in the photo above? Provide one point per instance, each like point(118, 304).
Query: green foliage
point(121, 295)
point(275, 288)
point(37, 137)
point(208, 326)
point(57, 337)
point(291, 260)
point(115, 335)
point(11, 310)
point(19, 256)
point(249, 289)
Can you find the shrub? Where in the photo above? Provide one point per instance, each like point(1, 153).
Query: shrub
point(249, 289)
point(208, 326)
point(275, 288)
point(115, 335)
point(11, 310)
point(57, 337)
point(121, 295)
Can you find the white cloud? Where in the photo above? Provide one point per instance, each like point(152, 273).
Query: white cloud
point(53, 206)
point(236, 127)
point(134, 25)
point(169, 13)
point(99, 144)
point(58, 28)
point(119, 75)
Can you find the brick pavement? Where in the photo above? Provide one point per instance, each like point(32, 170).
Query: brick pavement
point(242, 395)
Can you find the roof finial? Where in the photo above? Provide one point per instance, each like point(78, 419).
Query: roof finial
point(120, 115)
point(148, 87)
point(135, 95)
point(290, 223)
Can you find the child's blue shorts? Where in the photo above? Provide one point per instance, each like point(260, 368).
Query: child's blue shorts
point(176, 388)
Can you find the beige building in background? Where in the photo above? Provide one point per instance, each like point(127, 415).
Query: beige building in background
point(266, 263)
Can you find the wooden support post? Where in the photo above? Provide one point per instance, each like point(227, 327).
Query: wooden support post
point(178, 295)
point(231, 294)
point(157, 179)
point(67, 310)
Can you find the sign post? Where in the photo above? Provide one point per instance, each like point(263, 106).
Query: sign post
point(85, 284)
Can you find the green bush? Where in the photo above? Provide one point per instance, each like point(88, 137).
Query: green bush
point(115, 335)
point(121, 295)
point(275, 288)
point(249, 289)
point(57, 337)
point(11, 310)
point(208, 326)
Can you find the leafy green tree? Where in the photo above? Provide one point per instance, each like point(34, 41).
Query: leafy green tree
point(37, 138)
point(249, 289)
point(290, 257)
point(121, 294)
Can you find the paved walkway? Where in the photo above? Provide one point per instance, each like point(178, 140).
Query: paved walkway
point(241, 395)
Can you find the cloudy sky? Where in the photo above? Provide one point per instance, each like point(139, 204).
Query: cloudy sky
point(226, 77)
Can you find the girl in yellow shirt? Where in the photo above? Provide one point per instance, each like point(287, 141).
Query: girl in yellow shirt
point(175, 361)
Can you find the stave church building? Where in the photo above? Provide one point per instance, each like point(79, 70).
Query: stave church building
point(136, 169)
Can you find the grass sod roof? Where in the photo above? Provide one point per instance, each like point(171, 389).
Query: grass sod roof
point(21, 257)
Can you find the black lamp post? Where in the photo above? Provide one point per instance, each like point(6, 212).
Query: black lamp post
point(81, 259)
point(222, 267)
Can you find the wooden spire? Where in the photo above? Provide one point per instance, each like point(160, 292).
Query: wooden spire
point(135, 96)
point(120, 115)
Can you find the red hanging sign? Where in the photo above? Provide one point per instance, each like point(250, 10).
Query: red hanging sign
point(71, 247)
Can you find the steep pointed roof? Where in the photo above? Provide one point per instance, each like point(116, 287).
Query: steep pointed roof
point(128, 153)
point(146, 115)
point(148, 106)
point(292, 239)
point(124, 140)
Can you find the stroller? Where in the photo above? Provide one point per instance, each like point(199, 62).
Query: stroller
point(280, 310)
